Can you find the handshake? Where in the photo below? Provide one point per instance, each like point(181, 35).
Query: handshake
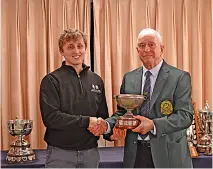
point(99, 126)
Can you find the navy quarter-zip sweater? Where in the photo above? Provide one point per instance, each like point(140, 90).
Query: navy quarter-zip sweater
point(67, 100)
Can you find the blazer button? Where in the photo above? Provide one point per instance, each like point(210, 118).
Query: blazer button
point(134, 142)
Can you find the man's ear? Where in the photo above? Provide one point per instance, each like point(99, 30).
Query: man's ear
point(62, 53)
point(137, 49)
point(162, 48)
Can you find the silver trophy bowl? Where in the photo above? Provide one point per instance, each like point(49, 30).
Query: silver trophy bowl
point(128, 102)
point(20, 151)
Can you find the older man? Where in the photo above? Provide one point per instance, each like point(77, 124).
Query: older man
point(160, 140)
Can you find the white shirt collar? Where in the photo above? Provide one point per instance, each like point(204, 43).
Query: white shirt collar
point(155, 70)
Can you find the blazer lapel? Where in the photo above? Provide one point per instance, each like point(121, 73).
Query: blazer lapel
point(161, 79)
point(137, 87)
point(138, 81)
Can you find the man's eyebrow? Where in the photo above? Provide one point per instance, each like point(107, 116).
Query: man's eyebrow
point(146, 42)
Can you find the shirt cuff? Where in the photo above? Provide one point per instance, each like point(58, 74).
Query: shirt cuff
point(108, 128)
point(154, 130)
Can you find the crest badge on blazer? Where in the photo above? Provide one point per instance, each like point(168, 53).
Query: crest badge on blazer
point(166, 107)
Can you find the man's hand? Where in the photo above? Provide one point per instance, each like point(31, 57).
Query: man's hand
point(92, 122)
point(145, 126)
point(118, 134)
point(98, 126)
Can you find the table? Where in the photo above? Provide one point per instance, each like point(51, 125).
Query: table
point(110, 157)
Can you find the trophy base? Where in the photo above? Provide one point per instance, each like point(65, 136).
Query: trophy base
point(20, 153)
point(192, 149)
point(20, 159)
point(204, 143)
point(208, 150)
point(201, 148)
point(127, 122)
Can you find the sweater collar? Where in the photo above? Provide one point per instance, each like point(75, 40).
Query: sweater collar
point(84, 66)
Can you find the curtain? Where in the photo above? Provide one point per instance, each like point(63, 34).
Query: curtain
point(30, 32)
point(186, 29)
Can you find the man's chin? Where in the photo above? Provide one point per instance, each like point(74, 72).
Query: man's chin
point(74, 63)
point(147, 61)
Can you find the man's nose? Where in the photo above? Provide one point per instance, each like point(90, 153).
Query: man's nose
point(147, 48)
point(75, 50)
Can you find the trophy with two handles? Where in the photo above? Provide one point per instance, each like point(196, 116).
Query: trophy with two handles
point(20, 150)
point(128, 102)
point(199, 134)
point(205, 130)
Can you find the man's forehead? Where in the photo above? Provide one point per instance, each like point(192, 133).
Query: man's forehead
point(74, 40)
point(146, 38)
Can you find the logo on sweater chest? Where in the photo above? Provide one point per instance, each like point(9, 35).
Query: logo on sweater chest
point(95, 88)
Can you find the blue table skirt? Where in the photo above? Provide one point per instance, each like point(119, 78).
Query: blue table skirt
point(110, 157)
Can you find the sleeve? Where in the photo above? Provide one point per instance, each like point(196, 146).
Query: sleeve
point(182, 115)
point(103, 109)
point(52, 116)
point(154, 130)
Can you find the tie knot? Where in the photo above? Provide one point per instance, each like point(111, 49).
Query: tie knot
point(148, 74)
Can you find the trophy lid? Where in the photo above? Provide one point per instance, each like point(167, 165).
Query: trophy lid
point(206, 108)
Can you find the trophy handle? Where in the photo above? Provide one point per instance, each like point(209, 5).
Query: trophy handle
point(24, 128)
point(115, 96)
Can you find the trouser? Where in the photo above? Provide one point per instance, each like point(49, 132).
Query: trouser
point(144, 155)
point(61, 158)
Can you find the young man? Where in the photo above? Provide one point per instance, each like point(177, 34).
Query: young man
point(72, 101)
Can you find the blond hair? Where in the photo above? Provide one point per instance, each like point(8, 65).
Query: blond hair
point(71, 34)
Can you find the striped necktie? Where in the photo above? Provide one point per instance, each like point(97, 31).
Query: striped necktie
point(145, 108)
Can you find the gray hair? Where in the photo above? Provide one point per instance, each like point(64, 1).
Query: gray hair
point(149, 31)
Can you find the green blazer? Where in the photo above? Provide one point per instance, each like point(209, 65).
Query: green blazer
point(169, 146)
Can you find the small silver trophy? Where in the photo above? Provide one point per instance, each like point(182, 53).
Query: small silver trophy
point(128, 102)
point(20, 151)
point(205, 125)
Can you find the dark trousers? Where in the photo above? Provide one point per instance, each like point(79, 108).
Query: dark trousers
point(61, 158)
point(144, 155)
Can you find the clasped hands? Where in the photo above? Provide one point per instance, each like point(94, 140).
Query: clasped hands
point(98, 126)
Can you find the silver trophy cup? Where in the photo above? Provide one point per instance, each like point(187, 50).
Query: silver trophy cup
point(128, 102)
point(20, 151)
point(205, 125)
